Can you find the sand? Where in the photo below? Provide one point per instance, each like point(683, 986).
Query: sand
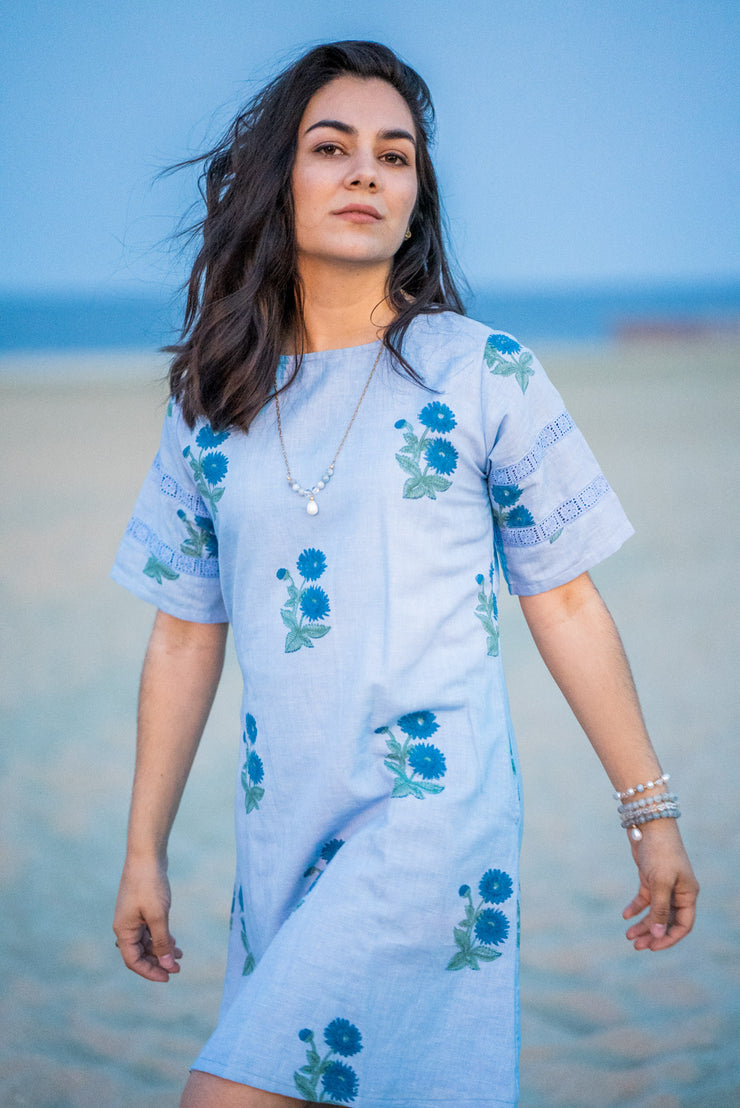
point(602, 1025)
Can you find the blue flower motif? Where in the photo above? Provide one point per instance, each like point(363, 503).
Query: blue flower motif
point(505, 495)
point(281, 574)
point(214, 466)
point(479, 578)
point(519, 517)
point(311, 564)
point(329, 849)
point(427, 761)
point(251, 725)
point(505, 344)
point(399, 424)
point(315, 604)
point(209, 535)
point(438, 417)
point(343, 1037)
point(463, 890)
point(207, 438)
point(491, 927)
point(340, 1082)
point(255, 768)
point(305, 1035)
point(419, 725)
point(441, 455)
point(495, 886)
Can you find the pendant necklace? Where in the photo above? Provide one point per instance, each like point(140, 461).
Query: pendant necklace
point(312, 507)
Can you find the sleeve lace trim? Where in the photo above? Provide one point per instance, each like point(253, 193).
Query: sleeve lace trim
point(182, 563)
point(565, 513)
point(552, 433)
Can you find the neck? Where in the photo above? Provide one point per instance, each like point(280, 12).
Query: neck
point(343, 305)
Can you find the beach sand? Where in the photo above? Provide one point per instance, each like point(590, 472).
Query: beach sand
point(602, 1025)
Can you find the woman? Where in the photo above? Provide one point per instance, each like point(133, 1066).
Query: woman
point(373, 951)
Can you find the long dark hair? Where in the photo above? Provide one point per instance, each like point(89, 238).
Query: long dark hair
point(243, 295)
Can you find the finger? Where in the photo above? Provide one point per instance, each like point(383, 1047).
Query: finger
point(163, 946)
point(638, 904)
point(134, 947)
point(660, 912)
point(680, 923)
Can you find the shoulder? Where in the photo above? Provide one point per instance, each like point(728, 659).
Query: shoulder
point(445, 344)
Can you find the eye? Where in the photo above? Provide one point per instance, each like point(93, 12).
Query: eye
point(328, 149)
point(394, 158)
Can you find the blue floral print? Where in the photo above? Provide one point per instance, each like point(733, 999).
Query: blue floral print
point(253, 772)
point(249, 959)
point(441, 456)
point(489, 925)
point(438, 417)
point(211, 465)
point(419, 725)
point(208, 439)
point(508, 358)
point(487, 612)
point(495, 886)
point(305, 602)
point(508, 512)
point(314, 603)
point(438, 453)
point(425, 762)
point(338, 1080)
point(311, 564)
point(201, 541)
point(327, 852)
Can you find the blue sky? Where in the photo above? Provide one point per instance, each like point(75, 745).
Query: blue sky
point(579, 140)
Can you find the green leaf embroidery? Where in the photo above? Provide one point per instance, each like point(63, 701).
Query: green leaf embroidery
point(414, 489)
point(159, 572)
point(294, 640)
point(306, 1088)
point(409, 465)
point(458, 961)
point(316, 631)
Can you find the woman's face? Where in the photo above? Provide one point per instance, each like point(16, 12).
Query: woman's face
point(354, 177)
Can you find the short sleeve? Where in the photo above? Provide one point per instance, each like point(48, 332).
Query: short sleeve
point(169, 552)
point(555, 514)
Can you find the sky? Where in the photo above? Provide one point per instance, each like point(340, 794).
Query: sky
point(579, 141)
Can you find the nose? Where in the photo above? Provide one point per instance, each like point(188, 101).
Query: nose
point(362, 173)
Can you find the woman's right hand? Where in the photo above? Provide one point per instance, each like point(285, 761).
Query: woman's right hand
point(141, 921)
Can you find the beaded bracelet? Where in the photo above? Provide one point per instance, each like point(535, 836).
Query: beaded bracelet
point(641, 788)
point(634, 814)
point(644, 802)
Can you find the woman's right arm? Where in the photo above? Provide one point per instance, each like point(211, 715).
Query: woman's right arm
point(179, 679)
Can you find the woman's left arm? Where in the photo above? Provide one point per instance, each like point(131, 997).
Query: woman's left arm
point(580, 644)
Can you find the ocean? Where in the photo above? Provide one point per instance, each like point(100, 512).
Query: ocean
point(135, 321)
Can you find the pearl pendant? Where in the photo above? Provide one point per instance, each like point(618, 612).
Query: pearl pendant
point(312, 507)
point(635, 834)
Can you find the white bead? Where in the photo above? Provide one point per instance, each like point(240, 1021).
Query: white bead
point(312, 508)
point(635, 834)
point(320, 485)
point(296, 487)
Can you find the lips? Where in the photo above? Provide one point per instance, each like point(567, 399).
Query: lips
point(360, 212)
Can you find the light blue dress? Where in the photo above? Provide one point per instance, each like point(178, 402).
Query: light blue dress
point(373, 957)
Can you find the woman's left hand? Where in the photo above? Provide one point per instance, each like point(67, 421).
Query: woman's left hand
point(668, 888)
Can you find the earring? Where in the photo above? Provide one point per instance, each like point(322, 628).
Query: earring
point(407, 236)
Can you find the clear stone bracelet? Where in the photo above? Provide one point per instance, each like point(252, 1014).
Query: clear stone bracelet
point(645, 810)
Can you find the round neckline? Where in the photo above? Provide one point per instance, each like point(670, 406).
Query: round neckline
point(333, 353)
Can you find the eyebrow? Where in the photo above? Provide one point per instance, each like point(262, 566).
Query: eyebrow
point(345, 128)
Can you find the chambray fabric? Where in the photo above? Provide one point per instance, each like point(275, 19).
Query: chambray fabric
point(373, 956)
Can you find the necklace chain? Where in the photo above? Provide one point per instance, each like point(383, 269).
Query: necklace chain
point(312, 507)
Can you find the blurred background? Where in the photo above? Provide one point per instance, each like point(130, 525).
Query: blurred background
point(588, 159)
